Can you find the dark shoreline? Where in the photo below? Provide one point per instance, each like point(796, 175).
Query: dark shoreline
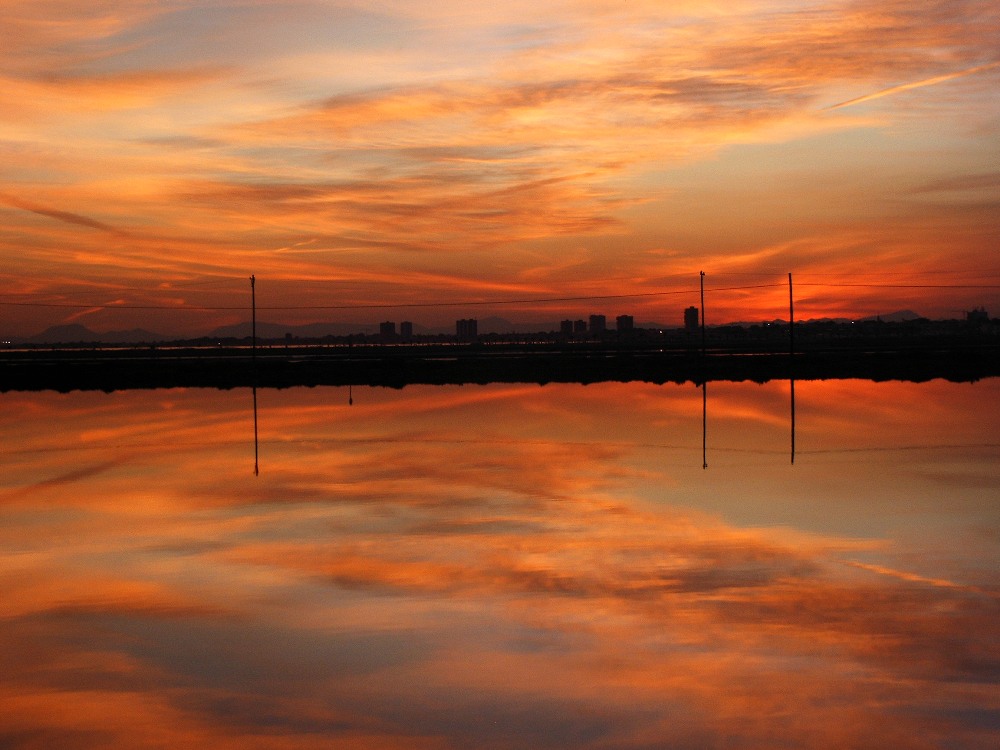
point(398, 366)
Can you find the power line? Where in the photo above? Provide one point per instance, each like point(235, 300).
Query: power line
point(462, 303)
point(79, 305)
point(529, 301)
point(905, 286)
point(481, 303)
point(207, 286)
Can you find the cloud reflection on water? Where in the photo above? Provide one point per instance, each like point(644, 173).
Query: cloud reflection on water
point(502, 566)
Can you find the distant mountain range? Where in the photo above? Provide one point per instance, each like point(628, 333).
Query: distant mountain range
point(900, 316)
point(79, 334)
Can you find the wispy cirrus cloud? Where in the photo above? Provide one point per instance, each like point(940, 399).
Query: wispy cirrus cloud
point(59, 215)
point(982, 181)
point(933, 81)
point(50, 94)
point(483, 141)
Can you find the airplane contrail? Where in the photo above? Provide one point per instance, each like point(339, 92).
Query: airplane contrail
point(914, 85)
point(52, 213)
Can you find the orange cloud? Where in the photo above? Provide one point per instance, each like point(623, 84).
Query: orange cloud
point(58, 215)
point(280, 144)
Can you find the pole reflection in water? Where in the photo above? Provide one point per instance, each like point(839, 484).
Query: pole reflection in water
point(704, 424)
point(502, 566)
point(704, 421)
point(791, 391)
point(256, 442)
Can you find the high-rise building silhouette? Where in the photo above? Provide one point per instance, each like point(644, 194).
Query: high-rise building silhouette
point(467, 329)
point(977, 316)
point(625, 323)
point(598, 324)
point(691, 319)
point(406, 329)
point(387, 329)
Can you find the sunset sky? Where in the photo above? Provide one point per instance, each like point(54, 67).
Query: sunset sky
point(154, 154)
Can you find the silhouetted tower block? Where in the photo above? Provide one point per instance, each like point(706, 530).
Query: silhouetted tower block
point(566, 328)
point(467, 329)
point(406, 329)
point(978, 316)
point(579, 326)
point(625, 323)
point(598, 324)
point(387, 330)
point(691, 319)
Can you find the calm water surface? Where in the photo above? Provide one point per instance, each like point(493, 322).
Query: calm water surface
point(506, 566)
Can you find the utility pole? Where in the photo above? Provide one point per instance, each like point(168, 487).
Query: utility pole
point(253, 357)
point(791, 354)
point(702, 273)
point(791, 317)
point(253, 316)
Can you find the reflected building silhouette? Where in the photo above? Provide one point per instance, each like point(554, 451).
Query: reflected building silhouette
point(703, 386)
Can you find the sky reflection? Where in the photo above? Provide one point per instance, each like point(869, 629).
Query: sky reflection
point(501, 567)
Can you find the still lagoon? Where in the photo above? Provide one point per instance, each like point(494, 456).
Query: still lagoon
point(612, 565)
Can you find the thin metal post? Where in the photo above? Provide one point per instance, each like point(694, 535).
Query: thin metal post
point(791, 353)
point(791, 317)
point(253, 356)
point(253, 316)
point(702, 273)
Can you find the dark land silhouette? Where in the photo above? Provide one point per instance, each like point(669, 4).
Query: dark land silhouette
point(876, 350)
